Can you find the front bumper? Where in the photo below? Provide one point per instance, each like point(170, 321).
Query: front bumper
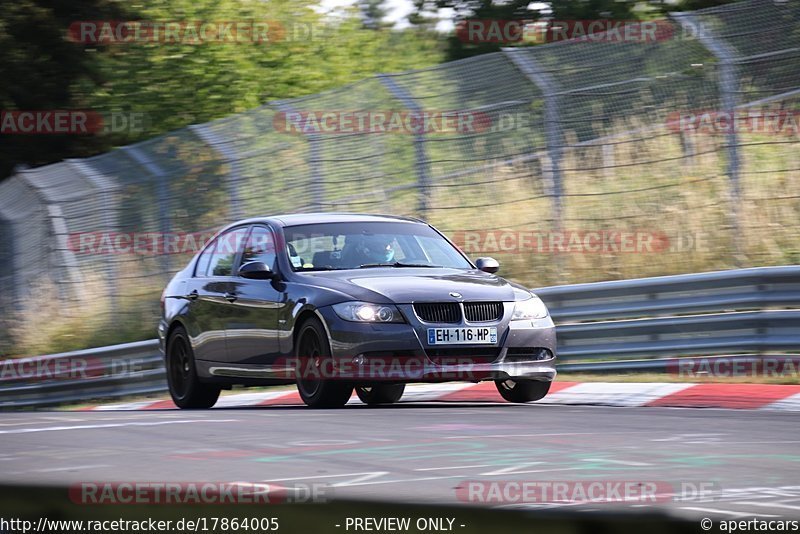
point(367, 352)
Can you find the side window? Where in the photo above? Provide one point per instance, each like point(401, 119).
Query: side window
point(204, 259)
point(228, 244)
point(260, 247)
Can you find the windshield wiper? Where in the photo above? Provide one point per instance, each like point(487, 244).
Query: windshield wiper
point(397, 264)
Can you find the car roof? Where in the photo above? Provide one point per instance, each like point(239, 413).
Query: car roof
point(295, 219)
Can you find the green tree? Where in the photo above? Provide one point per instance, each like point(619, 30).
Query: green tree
point(373, 12)
point(175, 84)
point(506, 10)
point(40, 70)
point(180, 84)
point(693, 5)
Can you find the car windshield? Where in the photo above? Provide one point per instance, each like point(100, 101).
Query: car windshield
point(336, 246)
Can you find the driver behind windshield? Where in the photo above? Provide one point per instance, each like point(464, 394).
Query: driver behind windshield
point(375, 249)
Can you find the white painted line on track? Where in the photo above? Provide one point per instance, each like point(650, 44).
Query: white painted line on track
point(618, 462)
point(554, 470)
point(71, 468)
point(726, 443)
point(769, 505)
point(359, 476)
point(511, 469)
point(139, 415)
point(359, 480)
point(397, 481)
point(452, 467)
point(113, 425)
point(364, 479)
point(127, 406)
point(556, 434)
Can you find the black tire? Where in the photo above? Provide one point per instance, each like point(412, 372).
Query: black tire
point(184, 386)
point(522, 390)
point(380, 394)
point(312, 349)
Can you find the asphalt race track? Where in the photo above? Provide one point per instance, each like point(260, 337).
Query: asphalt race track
point(746, 463)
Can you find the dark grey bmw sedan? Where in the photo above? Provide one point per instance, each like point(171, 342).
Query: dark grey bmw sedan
point(335, 302)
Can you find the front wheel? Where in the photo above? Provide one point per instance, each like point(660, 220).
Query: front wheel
point(314, 351)
point(381, 394)
point(522, 390)
point(185, 388)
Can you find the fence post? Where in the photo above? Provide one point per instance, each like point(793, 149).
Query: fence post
point(728, 88)
point(106, 189)
point(50, 200)
point(204, 133)
point(553, 134)
point(317, 185)
point(10, 251)
point(420, 156)
point(161, 191)
point(552, 122)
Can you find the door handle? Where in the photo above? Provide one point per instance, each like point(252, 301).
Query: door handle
point(193, 295)
point(230, 297)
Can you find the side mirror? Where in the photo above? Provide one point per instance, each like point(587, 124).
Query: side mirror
point(488, 265)
point(256, 270)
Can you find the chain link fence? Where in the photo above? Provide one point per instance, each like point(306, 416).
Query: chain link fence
point(581, 161)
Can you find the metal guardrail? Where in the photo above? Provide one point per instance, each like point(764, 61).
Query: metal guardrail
point(602, 327)
point(745, 311)
point(80, 376)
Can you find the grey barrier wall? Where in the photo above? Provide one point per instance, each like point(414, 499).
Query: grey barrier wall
point(649, 324)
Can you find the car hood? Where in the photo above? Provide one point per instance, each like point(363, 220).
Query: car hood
point(408, 285)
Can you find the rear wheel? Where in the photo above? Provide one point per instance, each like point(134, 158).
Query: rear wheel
point(522, 390)
point(381, 394)
point(313, 352)
point(185, 388)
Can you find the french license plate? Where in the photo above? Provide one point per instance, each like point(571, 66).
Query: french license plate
point(462, 336)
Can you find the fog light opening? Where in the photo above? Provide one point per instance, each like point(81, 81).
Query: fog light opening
point(529, 354)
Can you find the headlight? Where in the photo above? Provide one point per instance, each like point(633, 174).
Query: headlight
point(533, 308)
point(364, 312)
